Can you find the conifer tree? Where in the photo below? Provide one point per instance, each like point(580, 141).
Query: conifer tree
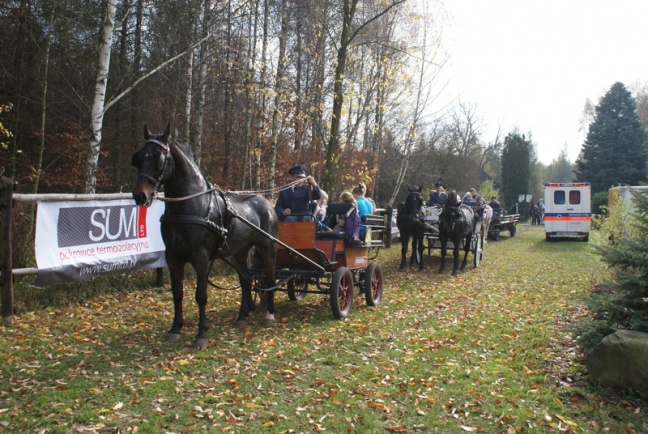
point(614, 151)
point(623, 304)
point(516, 169)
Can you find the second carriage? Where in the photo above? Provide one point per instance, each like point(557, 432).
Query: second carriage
point(431, 215)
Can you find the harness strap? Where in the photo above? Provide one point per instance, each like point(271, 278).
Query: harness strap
point(174, 218)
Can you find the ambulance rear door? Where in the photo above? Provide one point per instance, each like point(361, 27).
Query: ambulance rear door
point(567, 210)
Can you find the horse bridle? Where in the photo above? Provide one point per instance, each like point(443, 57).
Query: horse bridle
point(163, 162)
point(413, 215)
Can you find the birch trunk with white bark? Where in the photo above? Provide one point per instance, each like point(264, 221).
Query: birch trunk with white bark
point(97, 114)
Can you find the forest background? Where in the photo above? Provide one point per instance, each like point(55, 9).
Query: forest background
point(343, 87)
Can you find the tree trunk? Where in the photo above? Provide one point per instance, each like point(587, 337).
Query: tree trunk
point(281, 64)
point(97, 114)
point(202, 86)
point(45, 84)
point(333, 147)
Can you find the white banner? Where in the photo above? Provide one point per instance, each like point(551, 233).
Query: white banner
point(80, 240)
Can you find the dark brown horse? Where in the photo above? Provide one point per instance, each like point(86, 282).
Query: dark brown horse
point(201, 224)
point(455, 224)
point(410, 225)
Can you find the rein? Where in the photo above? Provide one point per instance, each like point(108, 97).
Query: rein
point(216, 188)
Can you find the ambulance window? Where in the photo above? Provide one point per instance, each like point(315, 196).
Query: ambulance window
point(574, 197)
point(559, 197)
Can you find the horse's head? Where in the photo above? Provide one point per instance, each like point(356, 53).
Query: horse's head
point(414, 202)
point(453, 199)
point(449, 213)
point(154, 164)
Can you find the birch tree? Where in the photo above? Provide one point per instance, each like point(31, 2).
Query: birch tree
point(97, 113)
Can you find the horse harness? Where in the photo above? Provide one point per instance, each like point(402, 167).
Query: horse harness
point(220, 229)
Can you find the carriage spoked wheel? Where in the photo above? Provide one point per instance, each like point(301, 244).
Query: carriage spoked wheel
point(297, 288)
point(259, 298)
point(341, 292)
point(373, 284)
point(478, 247)
point(484, 239)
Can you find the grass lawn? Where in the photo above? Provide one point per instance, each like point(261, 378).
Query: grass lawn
point(488, 351)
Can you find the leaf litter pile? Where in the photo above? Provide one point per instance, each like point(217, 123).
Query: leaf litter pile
point(488, 351)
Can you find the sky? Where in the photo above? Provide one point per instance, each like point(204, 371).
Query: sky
point(533, 64)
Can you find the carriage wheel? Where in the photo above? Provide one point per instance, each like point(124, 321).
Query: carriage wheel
point(297, 288)
point(341, 292)
point(477, 249)
point(483, 237)
point(259, 299)
point(373, 284)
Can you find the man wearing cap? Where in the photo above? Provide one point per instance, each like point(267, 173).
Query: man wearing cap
point(438, 197)
point(293, 202)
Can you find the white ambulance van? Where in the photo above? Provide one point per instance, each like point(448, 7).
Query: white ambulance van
point(568, 210)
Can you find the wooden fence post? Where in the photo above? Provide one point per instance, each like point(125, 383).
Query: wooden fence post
point(6, 264)
point(388, 225)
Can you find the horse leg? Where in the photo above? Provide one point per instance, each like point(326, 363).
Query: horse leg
point(202, 266)
point(240, 261)
point(420, 250)
point(444, 250)
point(269, 261)
point(413, 258)
point(467, 241)
point(404, 243)
point(455, 256)
point(176, 272)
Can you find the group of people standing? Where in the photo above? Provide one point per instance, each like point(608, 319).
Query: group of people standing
point(304, 200)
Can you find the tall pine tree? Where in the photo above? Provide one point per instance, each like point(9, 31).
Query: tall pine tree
point(516, 169)
point(614, 151)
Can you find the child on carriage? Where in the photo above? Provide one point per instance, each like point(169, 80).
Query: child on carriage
point(348, 224)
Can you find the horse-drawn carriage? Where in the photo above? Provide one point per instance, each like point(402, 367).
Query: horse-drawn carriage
point(203, 223)
point(319, 262)
point(432, 240)
point(454, 225)
point(503, 223)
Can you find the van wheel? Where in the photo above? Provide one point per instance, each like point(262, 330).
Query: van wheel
point(586, 238)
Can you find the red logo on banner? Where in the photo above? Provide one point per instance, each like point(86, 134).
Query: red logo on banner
point(141, 222)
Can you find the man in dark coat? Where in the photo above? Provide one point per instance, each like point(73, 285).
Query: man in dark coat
point(438, 197)
point(497, 208)
point(293, 204)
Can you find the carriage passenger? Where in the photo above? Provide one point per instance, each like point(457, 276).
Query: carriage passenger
point(349, 224)
point(320, 211)
point(469, 200)
point(476, 197)
point(364, 206)
point(293, 204)
point(438, 197)
point(497, 208)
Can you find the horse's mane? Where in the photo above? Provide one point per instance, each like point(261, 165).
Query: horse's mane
point(184, 148)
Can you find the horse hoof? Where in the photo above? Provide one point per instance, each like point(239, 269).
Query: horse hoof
point(200, 343)
point(268, 322)
point(241, 323)
point(173, 337)
point(401, 268)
